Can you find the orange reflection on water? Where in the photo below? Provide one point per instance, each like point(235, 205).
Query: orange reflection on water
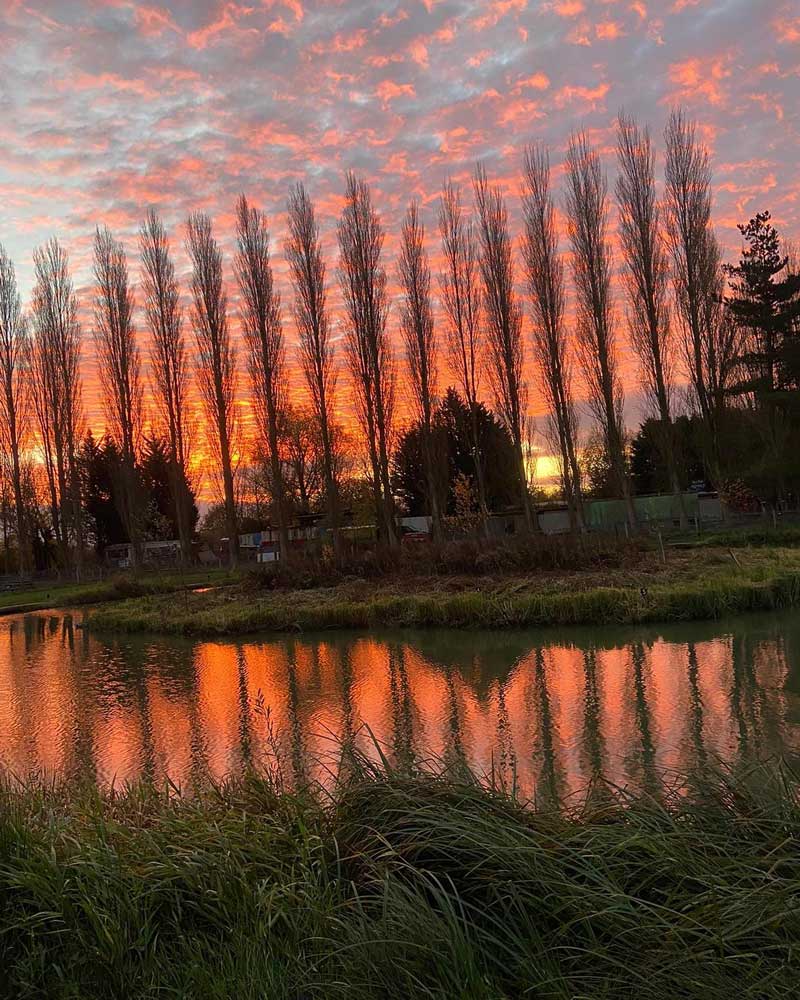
point(546, 716)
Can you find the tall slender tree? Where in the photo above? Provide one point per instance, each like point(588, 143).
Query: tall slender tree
point(647, 284)
point(14, 412)
point(416, 320)
point(459, 283)
point(307, 270)
point(169, 365)
point(57, 394)
point(587, 219)
point(263, 334)
point(545, 273)
point(120, 375)
point(362, 277)
point(503, 316)
point(216, 367)
point(707, 336)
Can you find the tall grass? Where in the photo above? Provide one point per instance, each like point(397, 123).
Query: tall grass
point(401, 884)
point(724, 591)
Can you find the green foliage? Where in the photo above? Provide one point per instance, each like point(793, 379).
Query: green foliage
point(100, 464)
point(454, 460)
point(765, 304)
point(400, 883)
point(155, 470)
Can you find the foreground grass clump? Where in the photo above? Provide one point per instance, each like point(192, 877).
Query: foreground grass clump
point(398, 885)
point(690, 585)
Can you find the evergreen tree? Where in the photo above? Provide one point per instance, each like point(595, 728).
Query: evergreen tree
point(454, 458)
point(99, 462)
point(765, 303)
point(156, 474)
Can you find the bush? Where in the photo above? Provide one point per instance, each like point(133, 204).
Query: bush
point(519, 554)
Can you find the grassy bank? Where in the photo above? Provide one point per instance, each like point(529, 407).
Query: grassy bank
point(400, 885)
point(694, 584)
point(115, 588)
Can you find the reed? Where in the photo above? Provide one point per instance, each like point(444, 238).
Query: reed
point(412, 882)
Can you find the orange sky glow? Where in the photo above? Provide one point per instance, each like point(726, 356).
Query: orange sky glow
point(112, 106)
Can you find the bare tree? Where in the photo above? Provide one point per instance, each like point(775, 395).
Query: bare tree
point(587, 217)
point(416, 320)
point(57, 393)
point(120, 375)
point(545, 273)
point(263, 334)
point(707, 340)
point(646, 280)
point(216, 358)
point(14, 351)
point(363, 282)
point(459, 283)
point(307, 269)
point(503, 325)
point(169, 363)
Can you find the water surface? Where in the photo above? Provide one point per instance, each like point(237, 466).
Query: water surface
point(547, 710)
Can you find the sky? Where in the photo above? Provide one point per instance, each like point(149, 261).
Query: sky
point(108, 107)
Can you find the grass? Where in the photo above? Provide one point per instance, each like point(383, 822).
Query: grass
point(119, 587)
point(691, 585)
point(755, 536)
point(400, 884)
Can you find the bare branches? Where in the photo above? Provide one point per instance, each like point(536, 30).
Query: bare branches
point(416, 320)
point(216, 356)
point(263, 334)
point(545, 273)
point(461, 294)
point(646, 281)
point(695, 253)
point(57, 389)
point(118, 353)
point(168, 359)
point(591, 266)
point(709, 340)
point(363, 282)
point(459, 283)
point(647, 269)
point(503, 322)
point(14, 352)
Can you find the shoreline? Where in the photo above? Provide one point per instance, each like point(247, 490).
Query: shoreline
point(700, 585)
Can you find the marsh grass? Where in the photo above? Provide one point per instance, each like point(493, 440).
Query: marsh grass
point(703, 585)
point(414, 882)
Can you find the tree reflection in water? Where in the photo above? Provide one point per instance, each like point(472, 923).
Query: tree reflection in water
point(546, 713)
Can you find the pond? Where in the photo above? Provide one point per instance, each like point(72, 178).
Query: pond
point(547, 710)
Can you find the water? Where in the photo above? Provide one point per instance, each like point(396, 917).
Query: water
point(547, 710)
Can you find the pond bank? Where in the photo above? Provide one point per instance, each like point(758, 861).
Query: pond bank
point(401, 884)
point(687, 585)
point(117, 588)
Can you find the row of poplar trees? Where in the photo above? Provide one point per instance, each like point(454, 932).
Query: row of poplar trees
point(677, 322)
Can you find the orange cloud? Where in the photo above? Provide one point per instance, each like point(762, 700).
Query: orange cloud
point(701, 77)
point(590, 95)
point(388, 90)
point(537, 81)
point(567, 8)
point(153, 21)
point(786, 31)
point(608, 30)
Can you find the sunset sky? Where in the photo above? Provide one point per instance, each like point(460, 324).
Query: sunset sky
point(109, 106)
